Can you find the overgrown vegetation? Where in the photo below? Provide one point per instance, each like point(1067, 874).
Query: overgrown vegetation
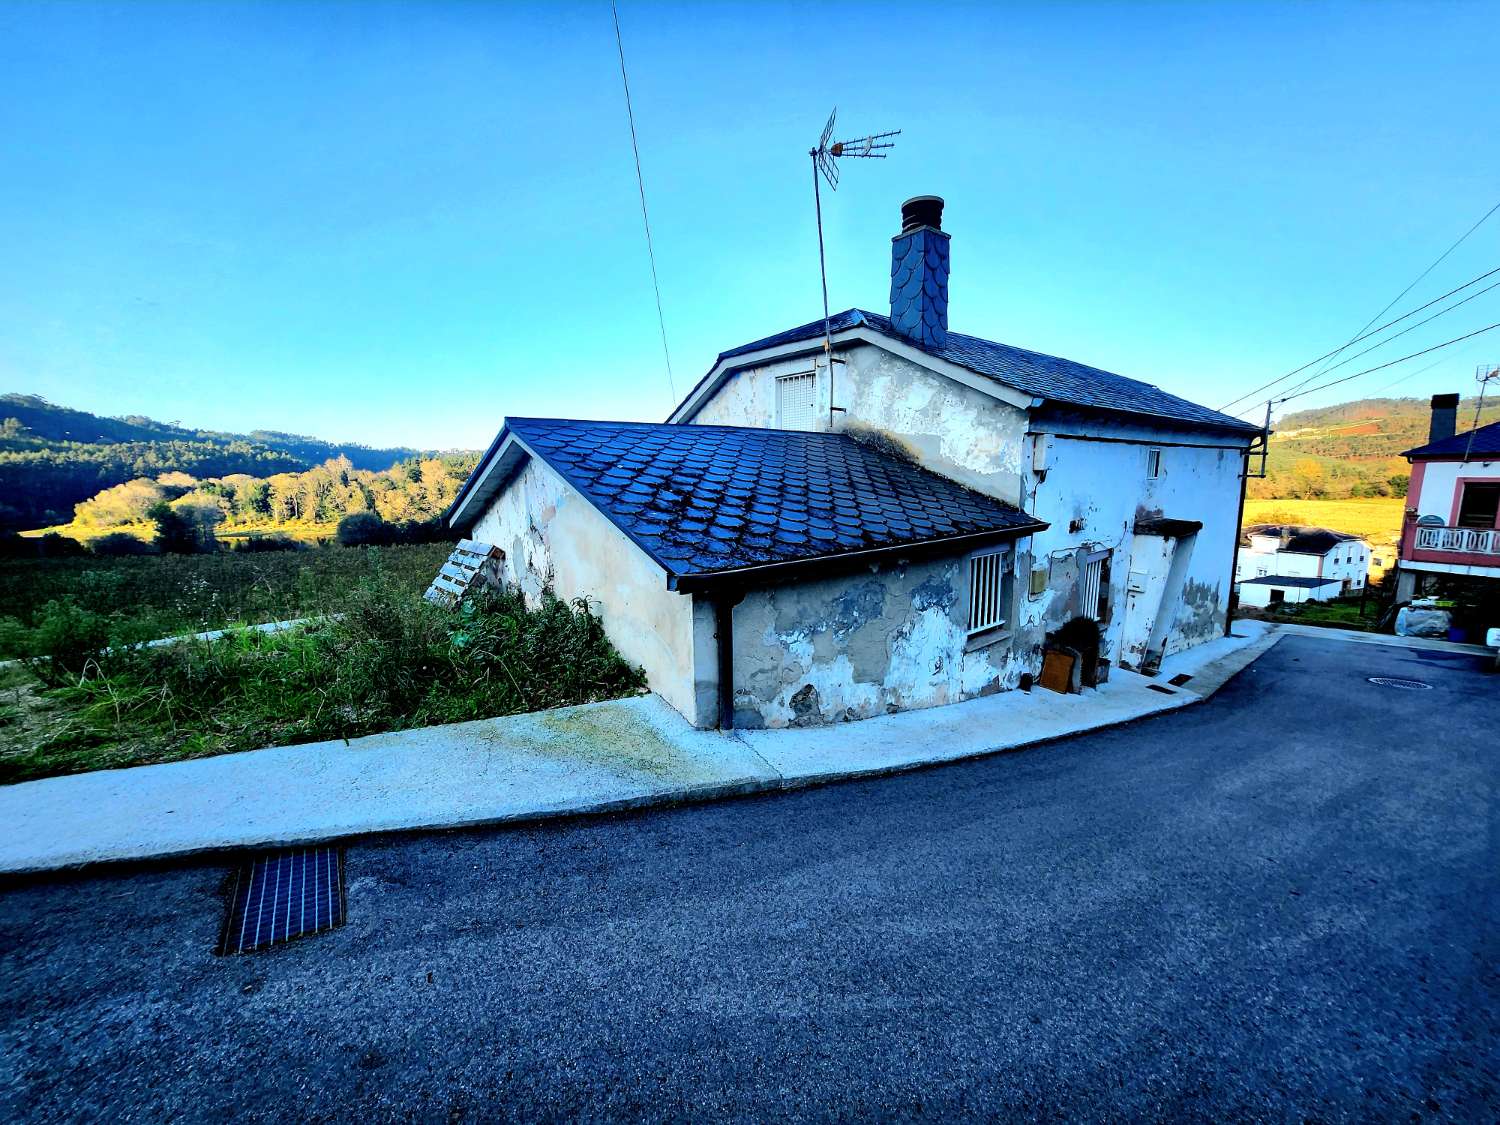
point(389, 661)
point(137, 598)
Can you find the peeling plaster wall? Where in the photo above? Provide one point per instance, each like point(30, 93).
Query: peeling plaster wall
point(851, 647)
point(1093, 494)
point(950, 428)
point(553, 537)
point(748, 397)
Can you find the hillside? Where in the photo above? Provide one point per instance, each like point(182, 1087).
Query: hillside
point(52, 457)
point(1351, 450)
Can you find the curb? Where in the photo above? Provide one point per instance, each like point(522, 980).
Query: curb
point(1205, 683)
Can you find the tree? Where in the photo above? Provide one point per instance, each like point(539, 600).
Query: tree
point(1399, 483)
point(174, 533)
point(118, 543)
point(1307, 478)
point(203, 513)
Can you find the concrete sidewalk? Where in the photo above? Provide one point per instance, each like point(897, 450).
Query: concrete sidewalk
point(603, 756)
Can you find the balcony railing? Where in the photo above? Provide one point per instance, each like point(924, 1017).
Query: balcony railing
point(1465, 540)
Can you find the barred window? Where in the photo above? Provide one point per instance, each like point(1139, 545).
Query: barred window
point(989, 589)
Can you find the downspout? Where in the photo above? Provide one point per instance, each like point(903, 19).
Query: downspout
point(1234, 553)
point(724, 603)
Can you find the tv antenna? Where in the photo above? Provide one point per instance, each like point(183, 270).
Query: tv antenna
point(1483, 374)
point(825, 158)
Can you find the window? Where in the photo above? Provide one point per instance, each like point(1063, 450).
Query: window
point(1479, 506)
point(795, 401)
point(1095, 600)
point(989, 589)
point(1153, 463)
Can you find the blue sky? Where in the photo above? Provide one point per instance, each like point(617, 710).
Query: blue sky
point(398, 223)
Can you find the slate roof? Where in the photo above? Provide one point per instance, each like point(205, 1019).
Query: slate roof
point(1296, 581)
point(1045, 376)
point(702, 500)
point(1302, 540)
point(1486, 442)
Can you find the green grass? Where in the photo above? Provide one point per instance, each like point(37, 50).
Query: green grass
point(390, 661)
point(141, 598)
point(1341, 613)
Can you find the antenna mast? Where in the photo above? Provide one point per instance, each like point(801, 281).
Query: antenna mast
point(825, 157)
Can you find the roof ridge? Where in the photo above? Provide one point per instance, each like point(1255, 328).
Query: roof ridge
point(684, 426)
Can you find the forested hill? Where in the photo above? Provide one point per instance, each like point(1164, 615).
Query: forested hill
point(1352, 449)
point(1373, 427)
point(52, 457)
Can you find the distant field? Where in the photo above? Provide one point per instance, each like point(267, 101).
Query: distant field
point(1378, 521)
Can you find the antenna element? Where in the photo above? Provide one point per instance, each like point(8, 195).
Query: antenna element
point(825, 158)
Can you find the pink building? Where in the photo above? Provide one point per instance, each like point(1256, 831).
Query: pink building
point(1452, 524)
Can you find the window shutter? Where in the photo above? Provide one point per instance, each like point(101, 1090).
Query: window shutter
point(796, 402)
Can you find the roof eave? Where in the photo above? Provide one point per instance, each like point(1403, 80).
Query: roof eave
point(817, 565)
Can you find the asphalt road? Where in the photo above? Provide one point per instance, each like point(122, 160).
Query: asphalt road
point(1279, 904)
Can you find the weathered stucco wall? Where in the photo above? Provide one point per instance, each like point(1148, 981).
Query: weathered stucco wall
point(851, 647)
point(950, 428)
point(1093, 494)
point(748, 397)
point(554, 538)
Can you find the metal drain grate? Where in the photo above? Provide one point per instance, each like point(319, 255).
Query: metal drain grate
point(1396, 682)
point(1163, 690)
point(284, 895)
point(1179, 679)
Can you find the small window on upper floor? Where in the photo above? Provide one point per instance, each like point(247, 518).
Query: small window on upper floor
point(1153, 463)
point(796, 397)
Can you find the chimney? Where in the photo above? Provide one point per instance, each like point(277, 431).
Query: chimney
point(1444, 417)
point(919, 273)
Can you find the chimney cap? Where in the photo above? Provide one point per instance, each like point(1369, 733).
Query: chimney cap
point(922, 211)
point(1442, 402)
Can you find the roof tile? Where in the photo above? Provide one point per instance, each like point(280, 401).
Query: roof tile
point(868, 498)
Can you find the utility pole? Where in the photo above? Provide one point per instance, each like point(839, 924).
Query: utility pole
point(1264, 439)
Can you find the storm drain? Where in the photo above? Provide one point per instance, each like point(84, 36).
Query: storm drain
point(1179, 679)
point(1163, 690)
point(284, 895)
point(1396, 682)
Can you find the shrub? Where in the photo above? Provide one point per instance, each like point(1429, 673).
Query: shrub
point(118, 544)
point(55, 546)
point(66, 639)
point(263, 543)
point(364, 529)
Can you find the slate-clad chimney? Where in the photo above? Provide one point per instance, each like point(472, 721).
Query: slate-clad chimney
point(919, 273)
point(1444, 417)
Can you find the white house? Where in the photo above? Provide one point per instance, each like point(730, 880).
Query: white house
point(1270, 552)
point(1452, 526)
point(1283, 589)
point(807, 542)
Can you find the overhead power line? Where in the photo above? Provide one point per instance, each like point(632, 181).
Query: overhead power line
point(1392, 363)
point(1409, 376)
point(1396, 336)
point(1367, 335)
point(1436, 262)
point(640, 181)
